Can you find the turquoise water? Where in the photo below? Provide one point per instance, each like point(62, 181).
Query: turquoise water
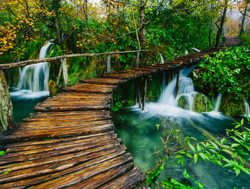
point(24, 102)
point(142, 135)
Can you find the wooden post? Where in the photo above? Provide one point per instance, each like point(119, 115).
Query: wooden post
point(144, 92)
point(109, 64)
point(138, 59)
point(7, 123)
point(164, 80)
point(139, 96)
point(177, 81)
point(63, 71)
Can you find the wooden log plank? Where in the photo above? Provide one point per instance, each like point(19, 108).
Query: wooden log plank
point(79, 176)
point(77, 103)
point(105, 81)
point(72, 108)
point(91, 88)
point(103, 178)
point(45, 142)
point(52, 160)
point(52, 149)
point(55, 130)
point(129, 180)
point(59, 126)
point(39, 154)
point(67, 123)
point(148, 70)
point(55, 134)
point(126, 76)
point(27, 146)
point(67, 118)
point(79, 164)
point(73, 113)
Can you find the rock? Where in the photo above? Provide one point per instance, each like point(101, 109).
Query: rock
point(53, 89)
point(184, 101)
point(196, 102)
point(201, 103)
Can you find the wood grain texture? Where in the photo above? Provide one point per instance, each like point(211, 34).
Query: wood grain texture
point(71, 143)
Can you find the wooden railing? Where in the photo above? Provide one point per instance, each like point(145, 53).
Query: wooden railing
point(7, 123)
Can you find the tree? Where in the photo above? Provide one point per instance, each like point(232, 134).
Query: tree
point(221, 21)
point(244, 14)
point(7, 123)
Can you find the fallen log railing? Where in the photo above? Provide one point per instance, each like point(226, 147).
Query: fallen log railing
point(6, 108)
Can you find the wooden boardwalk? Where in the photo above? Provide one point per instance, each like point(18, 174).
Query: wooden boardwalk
point(70, 142)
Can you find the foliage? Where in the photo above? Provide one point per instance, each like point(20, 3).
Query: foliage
point(153, 175)
point(2, 153)
point(230, 70)
point(230, 152)
point(171, 28)
point(245, 37)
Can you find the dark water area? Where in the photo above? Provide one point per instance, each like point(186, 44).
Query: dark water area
point(143, 134)
point(24, 102)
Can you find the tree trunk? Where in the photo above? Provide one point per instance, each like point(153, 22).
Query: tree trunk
point(138, 41)
point(210, 35)
point(222, 21)
point(85, 9)
point(243, 19)
point(142, 24)
point(7, 123)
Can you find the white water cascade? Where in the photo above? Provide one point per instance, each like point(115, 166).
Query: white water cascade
point(167, 104)
point(162, 61)
point(35, 77)
point(247, 108)
point(33, 82)
point(217, 103)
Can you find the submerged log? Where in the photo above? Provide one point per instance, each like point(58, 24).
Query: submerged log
point(7, 123)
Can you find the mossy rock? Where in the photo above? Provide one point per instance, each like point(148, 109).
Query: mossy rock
point(201, 103)
point(232, 107)
point(183, 101)
point(53, 89)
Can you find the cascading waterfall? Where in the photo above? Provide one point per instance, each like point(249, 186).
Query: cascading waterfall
point(217, 103)
point(183, 103)
point(162, 61)
point(247, 109)
point(33, 82)
point(35, 77)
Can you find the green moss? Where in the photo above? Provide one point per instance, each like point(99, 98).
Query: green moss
point(53, 89)
point(183, 102)
point(231, 106)
point(201, 103)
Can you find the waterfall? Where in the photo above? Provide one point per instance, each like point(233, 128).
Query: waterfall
point(247, 109)
point(162, 59)
point(185, 102)
point(168, 95)
point(186, 85)
point(35, 77)
point(217, 103)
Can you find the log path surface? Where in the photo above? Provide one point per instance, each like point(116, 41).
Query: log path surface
point(71, 143)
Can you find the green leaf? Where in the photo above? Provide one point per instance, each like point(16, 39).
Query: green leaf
point(185, 174)
point(2, 153)
point(191, 147)
point(195, 158)
point(214, 145)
